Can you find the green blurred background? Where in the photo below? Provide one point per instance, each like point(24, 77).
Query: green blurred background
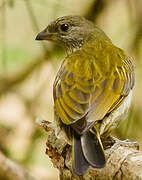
point(28, 69)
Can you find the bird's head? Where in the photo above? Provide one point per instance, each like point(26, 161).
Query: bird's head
point(70, 31)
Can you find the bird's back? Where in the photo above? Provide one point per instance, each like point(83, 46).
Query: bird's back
point(91, 80)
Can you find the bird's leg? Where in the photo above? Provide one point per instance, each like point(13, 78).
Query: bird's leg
point(108, 142)
point(111, 144)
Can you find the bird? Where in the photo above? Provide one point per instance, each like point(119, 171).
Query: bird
point(92, 90)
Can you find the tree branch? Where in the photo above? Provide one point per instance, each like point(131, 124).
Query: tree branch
point(123, 163)
point(12, 171)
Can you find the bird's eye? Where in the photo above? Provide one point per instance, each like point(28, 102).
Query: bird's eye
point(64, 27)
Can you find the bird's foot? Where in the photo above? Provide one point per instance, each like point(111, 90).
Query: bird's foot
point(44, 124)
point(126, 143)
point(112, 143)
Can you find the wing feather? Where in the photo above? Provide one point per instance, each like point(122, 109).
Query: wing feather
point(86, 87)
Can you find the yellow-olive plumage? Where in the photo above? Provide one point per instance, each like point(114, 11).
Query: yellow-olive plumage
point(93, 81)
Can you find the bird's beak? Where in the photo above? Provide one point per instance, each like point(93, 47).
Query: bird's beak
point(44, 35)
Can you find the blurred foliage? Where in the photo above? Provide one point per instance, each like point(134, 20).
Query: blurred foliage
point(28, 69)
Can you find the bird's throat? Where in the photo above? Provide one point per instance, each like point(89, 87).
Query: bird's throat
point(74, 46)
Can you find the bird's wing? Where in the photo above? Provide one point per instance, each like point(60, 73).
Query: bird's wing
point(72, 88)
point(111, 91)
point(86, 86)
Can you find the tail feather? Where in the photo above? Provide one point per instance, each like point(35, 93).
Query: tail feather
point(93, 150)
point(87, 151)
point(80, 165)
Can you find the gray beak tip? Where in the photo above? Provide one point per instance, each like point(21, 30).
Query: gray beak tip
point(44, 35)
point(38, 37)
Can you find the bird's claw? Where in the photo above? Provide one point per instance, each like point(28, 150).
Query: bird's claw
point(114, 143)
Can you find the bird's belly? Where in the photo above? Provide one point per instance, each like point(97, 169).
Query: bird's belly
point(112, 121)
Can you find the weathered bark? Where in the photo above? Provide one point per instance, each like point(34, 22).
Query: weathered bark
point(123, 163)
point(12, 171)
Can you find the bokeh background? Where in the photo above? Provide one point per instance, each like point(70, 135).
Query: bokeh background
point(28, 69)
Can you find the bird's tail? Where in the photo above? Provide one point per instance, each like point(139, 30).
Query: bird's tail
point(87, 151)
